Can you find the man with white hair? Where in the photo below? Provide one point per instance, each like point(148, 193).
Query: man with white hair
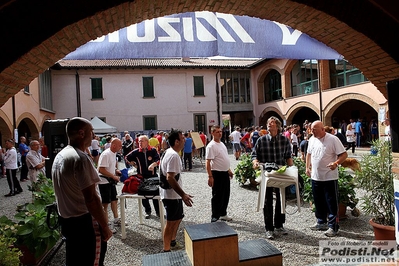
point(35, 161)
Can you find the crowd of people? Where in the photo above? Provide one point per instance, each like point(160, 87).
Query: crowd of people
point(30, 160)
point(85, 174)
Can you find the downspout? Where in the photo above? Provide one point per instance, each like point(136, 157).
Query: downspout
point(78, 104)
point(320, 91)
point(14, 122)
point(217, 98)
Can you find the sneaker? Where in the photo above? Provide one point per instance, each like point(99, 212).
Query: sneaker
point(113, 230)
point(225, 218)
point(331, 233)
point(147, 215)
point(177, 246)
point(282, 231)
point(319, 227)
point(213, 220)
point(270, 235)
point(118, 222)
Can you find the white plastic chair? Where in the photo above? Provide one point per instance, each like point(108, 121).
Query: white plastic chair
point(281, 181)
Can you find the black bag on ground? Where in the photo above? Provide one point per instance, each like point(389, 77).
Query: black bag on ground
point(149, 187)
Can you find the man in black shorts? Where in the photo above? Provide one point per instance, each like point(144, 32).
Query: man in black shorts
point(173, 197)
point(110, 177)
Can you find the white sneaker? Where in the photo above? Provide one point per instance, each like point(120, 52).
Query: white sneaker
point(281, 231)
point(225, 218)
point(270, 235)
point(331, 233)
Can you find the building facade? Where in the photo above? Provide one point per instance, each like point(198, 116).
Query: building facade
point(194, 94)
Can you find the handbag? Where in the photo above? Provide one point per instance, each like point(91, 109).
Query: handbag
point(149, 187)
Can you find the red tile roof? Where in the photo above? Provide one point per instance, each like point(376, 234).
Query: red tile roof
point(159, 63)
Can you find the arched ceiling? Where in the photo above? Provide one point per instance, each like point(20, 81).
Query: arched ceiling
point(37, 33)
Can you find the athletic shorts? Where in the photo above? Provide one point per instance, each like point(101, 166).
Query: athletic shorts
point(108, 193)
point(236, 147)
point(94, 153)
point(174, 209)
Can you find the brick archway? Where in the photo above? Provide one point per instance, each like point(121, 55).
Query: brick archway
point(263, 118)
point(294, 108)
point(56, 34)
point(335, 103)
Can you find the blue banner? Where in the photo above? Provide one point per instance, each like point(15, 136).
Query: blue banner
point(205, 34)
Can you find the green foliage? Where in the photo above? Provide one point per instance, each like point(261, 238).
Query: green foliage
point(307, 193)
point(43, 191)
point(376, 178)
point(245, 170)
point(346, 188)
point(30, 228)
point(346, 185)
point(9, 255)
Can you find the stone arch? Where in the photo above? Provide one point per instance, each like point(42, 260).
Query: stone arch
point(261, 79)
point(263, 118)
point(72, 29)
point(287, 78)
point(336, 102)
point(45, 118)
point(294, 108)
point(6, 127)
point(31, 122)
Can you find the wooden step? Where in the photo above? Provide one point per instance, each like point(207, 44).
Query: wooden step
point(173, 258)
point(259, 252)
point(211, 244)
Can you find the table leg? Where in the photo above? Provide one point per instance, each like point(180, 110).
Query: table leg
point(123, 218)
point(140, 211)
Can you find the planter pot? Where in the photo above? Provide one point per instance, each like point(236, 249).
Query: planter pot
point(253, 182)
point(342, 211)
point(27, 258)
point(383, 232)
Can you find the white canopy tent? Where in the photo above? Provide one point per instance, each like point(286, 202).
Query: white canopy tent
point(101, 127)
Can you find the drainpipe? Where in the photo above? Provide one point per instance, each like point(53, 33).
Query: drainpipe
point(14, 122)
point(320, 96)
point(218, 98)
point(78, 105)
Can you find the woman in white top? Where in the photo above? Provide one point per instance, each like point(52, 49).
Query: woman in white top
point(350, 138)
point(11, 165)
point(95, 149)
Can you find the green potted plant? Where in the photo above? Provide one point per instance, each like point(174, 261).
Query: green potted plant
point(29, 228)
point(245, 171)
point(9, 255)
point(376, 178)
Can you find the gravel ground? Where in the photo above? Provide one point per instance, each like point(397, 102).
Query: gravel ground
point(299, 247)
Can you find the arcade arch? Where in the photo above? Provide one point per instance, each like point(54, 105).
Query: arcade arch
point(268, 112)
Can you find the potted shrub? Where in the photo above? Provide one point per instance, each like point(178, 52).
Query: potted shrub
point(245, 171)
point(29, 228)
point(376, 178)
point(9, 255)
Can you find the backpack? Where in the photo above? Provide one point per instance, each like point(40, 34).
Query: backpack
point(255, 136)
point(131, 185)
